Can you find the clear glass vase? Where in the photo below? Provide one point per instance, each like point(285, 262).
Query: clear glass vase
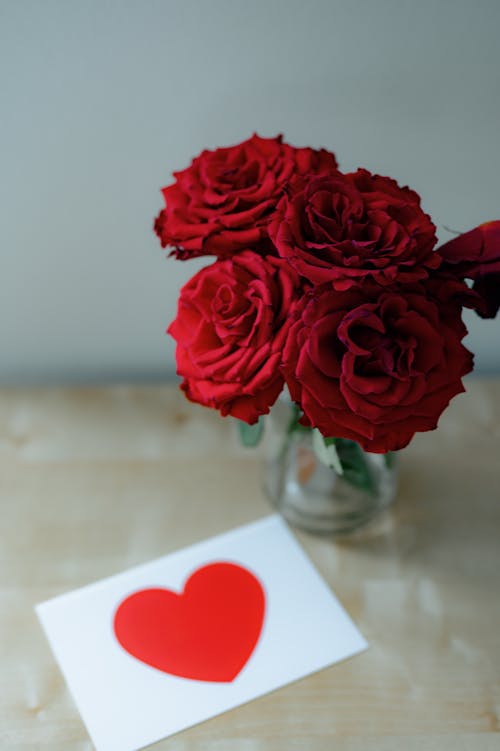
point(332, 487)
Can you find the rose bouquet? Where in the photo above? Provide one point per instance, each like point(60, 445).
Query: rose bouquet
point(324, 281)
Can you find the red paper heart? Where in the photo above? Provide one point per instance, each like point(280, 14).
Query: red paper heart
point(207, 633)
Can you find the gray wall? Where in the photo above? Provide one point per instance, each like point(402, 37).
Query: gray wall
point(100, 101)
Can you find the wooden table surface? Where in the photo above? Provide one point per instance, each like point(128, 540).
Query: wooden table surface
point(94, 480)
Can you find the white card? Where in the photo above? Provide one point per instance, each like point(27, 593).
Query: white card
point(170, 643)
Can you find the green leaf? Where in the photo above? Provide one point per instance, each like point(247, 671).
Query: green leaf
point(355, 465)
point(250, 435)
point(325, 450)
point(330, 441)
point(294, 425)
point(390, 459)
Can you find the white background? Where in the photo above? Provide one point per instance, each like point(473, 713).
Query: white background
point(126, 704)
point(101, 100)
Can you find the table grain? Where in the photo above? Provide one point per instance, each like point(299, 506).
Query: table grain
point(95, 480)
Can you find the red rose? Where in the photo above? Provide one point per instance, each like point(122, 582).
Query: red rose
point(451, 293)
point(230, 329)
point(476, 255)
point(373, 365)
point(343, 229)
point(222, 202)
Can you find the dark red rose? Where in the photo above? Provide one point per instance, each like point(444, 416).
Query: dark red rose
point(230, 328)
point(451, 293)
point(222, 202)
point(375, 366)
point(476, 255)
point(343, 229)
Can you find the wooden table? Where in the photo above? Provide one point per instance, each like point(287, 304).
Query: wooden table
point(94, 480)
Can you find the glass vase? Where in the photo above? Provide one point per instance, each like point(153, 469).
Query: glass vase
point(324, 487)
